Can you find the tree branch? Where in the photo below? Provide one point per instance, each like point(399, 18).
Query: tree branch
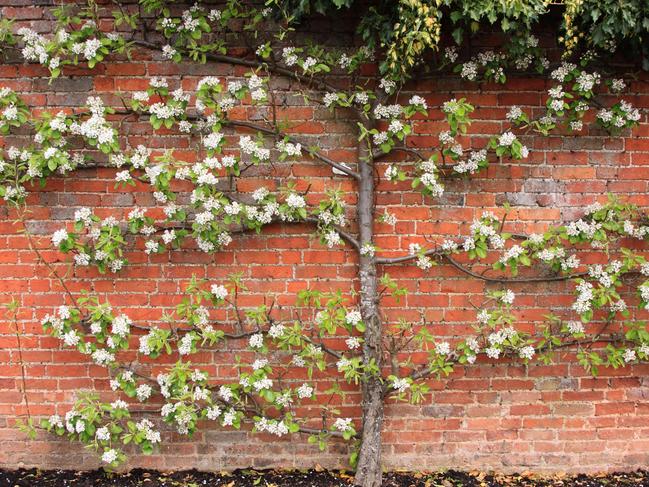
point(471, 273)
point(409, 257)
point(222, 58)
point(280, 135)
point(266, 130)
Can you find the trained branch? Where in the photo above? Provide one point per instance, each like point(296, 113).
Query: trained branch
point(279, 135)
point(222, 58)
point(269, 131)
point(471, 273)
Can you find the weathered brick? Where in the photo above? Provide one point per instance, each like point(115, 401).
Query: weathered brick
point(494, 415)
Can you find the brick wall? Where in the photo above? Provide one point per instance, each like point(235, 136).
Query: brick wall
point(494, 415)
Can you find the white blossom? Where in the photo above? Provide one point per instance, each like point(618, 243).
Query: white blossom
point(219, 291)
point(59, 236)
point(103, 357)
point(629, 355)
point(293, 150)
point(258, 364)
point(387, 85)
point(424, 262)
point(263, 384)
point(400, 385)
point(344, 61)
point(587, 81)
point(158, 82)
point(141, 96)
point(576, 125)
point(380, 138)
point(109, 456)
point(256, 340)
point(387, 111)
point(469, 71)
point(90, 48)
point(368, 250)
point(617, 85)
point(71, 338)
point(443, 348)
point(225, 393)
point(213, 412)
point(55, 420)
point(295, 201)
point(526, 352)
point(451, 54)
point(276, 330)
point(353, 343)
point(10, 113)
point(506, 139)
point(395, 126)
point(514, 113)
point(185, 344)
point(418, 101)
point(123, 176)
point(353, 317)
point(168, 236)
point(119, 404)
point(584, 297)
point(308, 63)
point(562, 71)
point(329, 99)
point(361, 97)
point(333, 238)
point(493, 352)
point(297, 361)
point(121, 325)
point(168, 52)
point(342, 364)
point(150, 246)
point(508, 297)
point(143, 392)
point(414, 248)
point(343, 424)
point(289, 57)
point(229, 417)
point(305, 391)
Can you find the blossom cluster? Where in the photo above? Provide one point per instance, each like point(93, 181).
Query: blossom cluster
point(521, 53)
point(78, 41)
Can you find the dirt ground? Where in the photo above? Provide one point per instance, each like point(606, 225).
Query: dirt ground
point(306, 478)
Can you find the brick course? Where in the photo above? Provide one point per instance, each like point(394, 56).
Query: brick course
point(493, 415)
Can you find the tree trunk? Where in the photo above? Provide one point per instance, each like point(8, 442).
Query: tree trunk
point(368, 471)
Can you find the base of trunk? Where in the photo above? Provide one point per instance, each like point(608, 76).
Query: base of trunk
point(370, 475)
point(368, 471)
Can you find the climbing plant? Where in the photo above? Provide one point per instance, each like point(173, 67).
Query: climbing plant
point(377, 355)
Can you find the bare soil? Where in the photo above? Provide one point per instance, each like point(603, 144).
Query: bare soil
point(305, 478)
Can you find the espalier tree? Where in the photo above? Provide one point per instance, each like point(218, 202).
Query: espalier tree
point(374, 355)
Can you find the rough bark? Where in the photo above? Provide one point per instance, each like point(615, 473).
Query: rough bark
point(368, 471)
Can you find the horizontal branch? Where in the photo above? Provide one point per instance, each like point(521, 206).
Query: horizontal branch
point(348, 237)
point(255, 409)
point(269, 131)
point(407, 150)
point(465, 270)
point(424, 372)
point(409, 257)
point(233, 60)
point(326, 349)
point(471, 273)
point(316, 155)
